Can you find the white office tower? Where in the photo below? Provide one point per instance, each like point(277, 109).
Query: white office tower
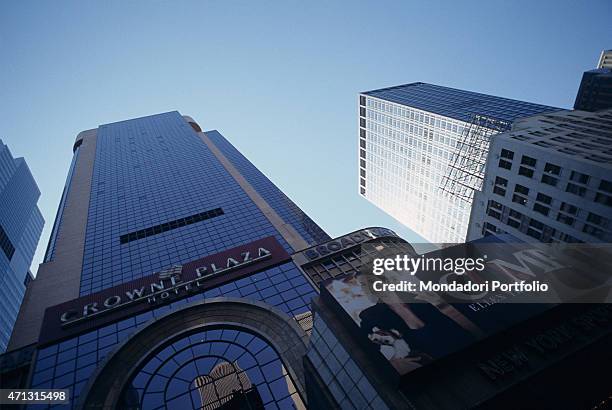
point(549, 179)
point(422, 151)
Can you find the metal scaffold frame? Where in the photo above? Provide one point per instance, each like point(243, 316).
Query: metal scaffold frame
point(467, 167)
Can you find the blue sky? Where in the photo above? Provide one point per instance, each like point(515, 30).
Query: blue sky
point(278, 79)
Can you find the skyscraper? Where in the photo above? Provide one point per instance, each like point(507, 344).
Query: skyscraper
point(605, 59)
point(422, 150)
point(548, 180)
point(595, 91)
point(167, 237)
point(21, 224)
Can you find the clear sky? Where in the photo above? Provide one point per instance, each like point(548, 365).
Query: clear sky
point(278, 79)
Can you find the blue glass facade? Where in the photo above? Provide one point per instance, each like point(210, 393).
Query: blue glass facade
point(70, 364)
point(161, 197)
point(21, 224)
point(458, 104)
point(156, 169)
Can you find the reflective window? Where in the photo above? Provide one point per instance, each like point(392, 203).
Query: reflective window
point(217, 368)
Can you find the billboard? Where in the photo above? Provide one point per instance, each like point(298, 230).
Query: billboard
point(416, 309)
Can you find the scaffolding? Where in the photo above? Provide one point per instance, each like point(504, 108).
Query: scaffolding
point(467, 166)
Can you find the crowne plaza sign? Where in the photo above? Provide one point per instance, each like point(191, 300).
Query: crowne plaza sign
point(162, 287)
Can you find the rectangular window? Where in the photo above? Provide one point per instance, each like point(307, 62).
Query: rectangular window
point(499, 191)
point(596, 219)
point(548, 180)
point(521, 189)
point(603, 199)
point(605, 186)
point(514, 224)
point(576, 189)
point(362, 172)
point(593, 231)
point(544, 210)
point(569, 208)
point(519, 199)
point(501, 181)
point(526, 172)
point(536, 224)
point(552, 169)
point(580, 178)
point(505, 164)
point(362, 143)
point(507, 154)
point(543, 198)
point(568, 220)
point(515, 214)
point(6, 244)
point(494, 214)
point(496, 205)
point(534, 234)
point(177, 223)
point(525, 160)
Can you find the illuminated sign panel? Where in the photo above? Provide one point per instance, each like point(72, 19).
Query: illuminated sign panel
point(162, 287)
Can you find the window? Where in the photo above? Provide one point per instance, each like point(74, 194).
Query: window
point(526, 172)
point(505, 164)
point(605, 186)
point(490, 227)
point(603, 199)
point(513, 223)
point(177, 223)
point(552, 169)
point(501, 181)
point(543, 198)
point(515, 214)
point(525, 160)
point(580, 178)
point(593, 231)
point(499, 191)
point(494, 214)
point(534, 234)
point(568, 220)
point(569, 208)
point(548, 180)
point(495, 205)
point(362, 172)
point(544, 210)
point(6, 244)
point(507, 154)
point(521, 189)
point(598, 220)
point(519, 199)
point(536, 224)
point(576, 190)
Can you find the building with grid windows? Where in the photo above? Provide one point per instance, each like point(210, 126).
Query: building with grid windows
point(548, 180)
point(166, 236)
point(422, 149)
point(21, 224)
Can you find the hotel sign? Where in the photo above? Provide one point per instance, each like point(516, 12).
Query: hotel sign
point(162, 287)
